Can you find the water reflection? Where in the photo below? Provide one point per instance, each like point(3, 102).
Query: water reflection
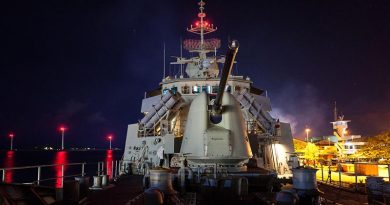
point(60, 158)
point(9, 162)
point(109, 163)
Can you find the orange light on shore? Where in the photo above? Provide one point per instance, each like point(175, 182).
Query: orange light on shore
point(307, 130)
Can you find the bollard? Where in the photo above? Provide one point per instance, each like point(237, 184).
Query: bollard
point(104, 180)
point(305, 185)
point(83, 185)
point(97, 182)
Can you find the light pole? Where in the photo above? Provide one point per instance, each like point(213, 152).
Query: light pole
point(62, 129)
point(110, 139)
point(307, 130)
point(11, 135)
point(329, 141)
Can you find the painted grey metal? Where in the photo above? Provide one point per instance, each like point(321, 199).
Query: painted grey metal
point(225, 143)
point(304, 178)
point(227, 68)
point(184, 173)
point(104, 180)
point(97, 182)
point(161, 179)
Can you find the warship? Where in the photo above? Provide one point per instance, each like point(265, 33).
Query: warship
point(207, 117)
point(207, 126)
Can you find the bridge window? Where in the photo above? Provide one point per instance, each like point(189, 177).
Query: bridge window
point(214, 89)
point(204, 89)
point(228, 88)
point(165, 91)
point(196, 89)
point(185, 89)
point(174, 89)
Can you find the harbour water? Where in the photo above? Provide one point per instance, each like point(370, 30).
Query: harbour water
point(33, 158)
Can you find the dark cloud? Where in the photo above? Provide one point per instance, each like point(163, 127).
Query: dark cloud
point(96, 118)
point(70, 109)
point(301, 105)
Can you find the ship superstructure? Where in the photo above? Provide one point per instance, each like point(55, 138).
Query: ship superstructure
point(180, 116)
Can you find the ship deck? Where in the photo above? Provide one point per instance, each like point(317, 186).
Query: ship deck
point(127, 188)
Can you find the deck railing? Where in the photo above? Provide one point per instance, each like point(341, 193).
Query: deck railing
point(115, 167)
point(351, 180)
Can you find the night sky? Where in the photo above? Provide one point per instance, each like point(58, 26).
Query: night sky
point(87, 63)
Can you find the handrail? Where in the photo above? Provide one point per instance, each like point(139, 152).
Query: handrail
point(46, 165)
point(101, 169)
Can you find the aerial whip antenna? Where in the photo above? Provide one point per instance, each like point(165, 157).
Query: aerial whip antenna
point(164, 59)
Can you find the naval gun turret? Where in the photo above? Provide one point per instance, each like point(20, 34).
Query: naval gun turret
point(227, 68)
point(217, 137)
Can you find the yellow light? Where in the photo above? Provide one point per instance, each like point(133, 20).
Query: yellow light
point(307, 130)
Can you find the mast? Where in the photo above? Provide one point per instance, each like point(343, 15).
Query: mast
point(202, 27)
point(200, 66)
point(201, 15)
point(181, 57)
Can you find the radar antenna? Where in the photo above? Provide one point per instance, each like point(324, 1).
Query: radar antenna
point(202, 27)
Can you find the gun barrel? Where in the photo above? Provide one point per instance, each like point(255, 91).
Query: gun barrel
point(227, 68)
